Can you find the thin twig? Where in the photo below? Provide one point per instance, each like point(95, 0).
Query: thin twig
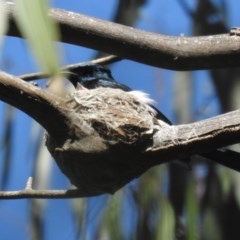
point(104, 61)
point(29, 192)
point(29, 184)
point(44, 194)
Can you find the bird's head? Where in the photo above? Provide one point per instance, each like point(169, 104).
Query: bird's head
point(93, 76)
point(90, 76)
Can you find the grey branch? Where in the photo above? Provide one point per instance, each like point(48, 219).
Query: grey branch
point(103, 61)
point(177, 53)
point(45, 194)
point(41, 105)
point(29, 192)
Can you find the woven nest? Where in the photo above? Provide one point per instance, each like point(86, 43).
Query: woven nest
point(114, 114)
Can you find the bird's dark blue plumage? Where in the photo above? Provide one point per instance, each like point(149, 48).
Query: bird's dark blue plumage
point(93, 76)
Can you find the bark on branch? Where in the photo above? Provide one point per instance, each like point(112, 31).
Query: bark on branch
point(177, 53)
point(201, 136)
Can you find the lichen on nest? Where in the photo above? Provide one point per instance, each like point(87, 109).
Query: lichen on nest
point(115, 114)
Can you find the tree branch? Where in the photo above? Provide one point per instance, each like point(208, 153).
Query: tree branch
point(103, 61)
point(29, 192)
point(45, 194)
point(41, 105)
point(198, 137)
point(177, 53)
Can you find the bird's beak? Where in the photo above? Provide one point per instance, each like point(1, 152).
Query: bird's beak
point(70, 76)
point(73, 78)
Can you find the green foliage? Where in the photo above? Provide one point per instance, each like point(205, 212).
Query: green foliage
point(166, 226)
point(191, 210)
point(3, 21)
point(110, 226)
point(40, 30)
point(211, 226)
point(226, 181)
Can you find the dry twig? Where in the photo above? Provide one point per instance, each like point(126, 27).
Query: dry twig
point(103, 61)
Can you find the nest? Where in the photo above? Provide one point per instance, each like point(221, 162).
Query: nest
point(114, 114)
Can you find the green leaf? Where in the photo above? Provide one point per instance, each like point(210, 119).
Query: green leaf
point(166, 225)
point(191, 210)
point(3, 21)
point(40, 30)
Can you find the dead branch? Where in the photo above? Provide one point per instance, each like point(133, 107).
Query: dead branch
point(177, 53)
point(29, 192)
point(44, 194)
point(199, 137)
point(41, 105)
point(103, 61)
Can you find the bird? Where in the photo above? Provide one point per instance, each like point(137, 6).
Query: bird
point(93, 76)
point(111, 134)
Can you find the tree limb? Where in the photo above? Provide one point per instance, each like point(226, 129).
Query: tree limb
point(177, 53)
point(103, 61)
point(29, 192)
point(198, 137)
point(45, 194)
point(41, 105)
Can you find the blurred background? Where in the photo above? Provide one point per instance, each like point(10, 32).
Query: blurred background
point(167, 202)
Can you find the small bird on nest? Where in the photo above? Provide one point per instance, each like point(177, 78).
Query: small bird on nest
point(112, 131)
point(93, 76)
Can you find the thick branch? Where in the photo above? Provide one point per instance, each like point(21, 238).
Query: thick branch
point(43, 106)
point(198, 137)
point(178, 53)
